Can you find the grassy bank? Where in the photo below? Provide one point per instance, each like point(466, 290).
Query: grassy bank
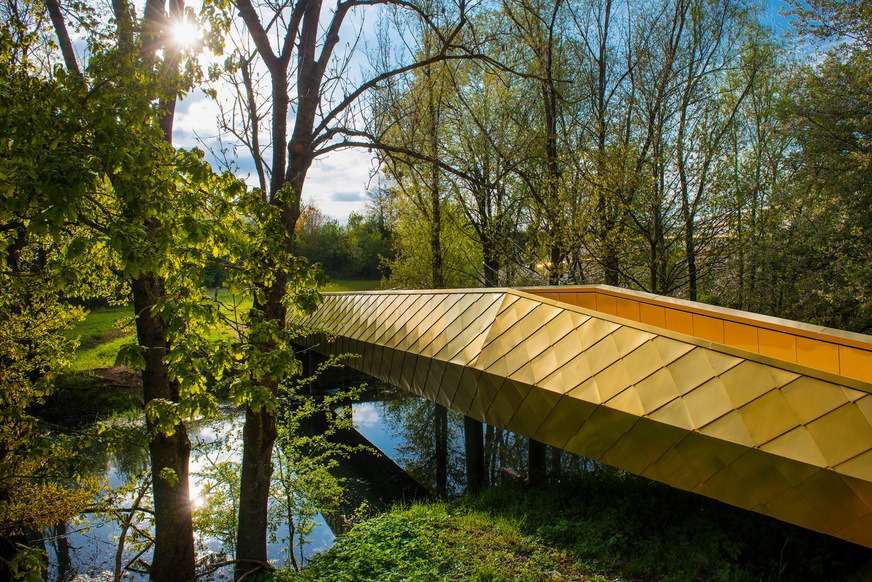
point(599, 526)
point(440, 542)
point(103, 331)
point(84, 395)
point(354, 285)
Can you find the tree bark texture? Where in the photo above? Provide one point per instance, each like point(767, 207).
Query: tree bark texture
point(258, 436)
point(173, 531)
point(441, 433)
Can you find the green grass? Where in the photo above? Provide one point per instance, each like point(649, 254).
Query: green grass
point(353, 285)
point(100, 355)
point(231, 303)
point(594, 527)
point(103, 331)
point(439, 542)
point(100, 322)
point(620, 524)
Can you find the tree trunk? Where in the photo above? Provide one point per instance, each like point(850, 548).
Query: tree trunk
point(490, 256)
point(441, 422)
point(556, 259)
point(556, 466)
point(173, 557)
point(536, 459)
point(258, 437)
point(554, 211)
point(173, 529)
point(62, 551)
point(690, 251)
point(489, 456)
point(436, 267)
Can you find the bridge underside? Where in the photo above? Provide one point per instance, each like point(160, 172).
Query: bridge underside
point(782, 433)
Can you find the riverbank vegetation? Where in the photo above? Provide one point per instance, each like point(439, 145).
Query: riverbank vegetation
point(595, 526)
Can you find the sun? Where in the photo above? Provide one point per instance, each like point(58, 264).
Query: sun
point(186, 33)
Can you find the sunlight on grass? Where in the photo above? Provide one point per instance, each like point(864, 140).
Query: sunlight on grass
point(103, 331)
point(101, 321)
point(230, 304)
point(99, 356)
point(354, 285)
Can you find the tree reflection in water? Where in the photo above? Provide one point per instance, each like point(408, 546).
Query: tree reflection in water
point(413, 420)
point(403, 425)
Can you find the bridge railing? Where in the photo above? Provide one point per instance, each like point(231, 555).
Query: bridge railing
point(834, 351)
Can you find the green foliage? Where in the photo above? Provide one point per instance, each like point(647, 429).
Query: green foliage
point(91, 191)
point(354, 251)
point(596, 526)
point(39, 181)
point(400, 545)
point(169, 475)
point(306, 454)
point(439, 542)
point(414, 263)
point(806, 185)
point(27, 564)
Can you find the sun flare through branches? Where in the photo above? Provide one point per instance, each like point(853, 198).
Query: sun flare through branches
point(186, 33)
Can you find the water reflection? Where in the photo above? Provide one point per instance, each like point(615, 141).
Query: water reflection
point(88, 545)
point(415, 429)
point(406, 428)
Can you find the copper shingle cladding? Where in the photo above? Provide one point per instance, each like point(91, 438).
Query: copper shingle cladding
point(671, 390)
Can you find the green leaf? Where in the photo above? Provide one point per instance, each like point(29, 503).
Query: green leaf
point(132, 356)
point(169, 475)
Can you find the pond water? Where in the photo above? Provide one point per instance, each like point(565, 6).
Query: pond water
point(399, 425)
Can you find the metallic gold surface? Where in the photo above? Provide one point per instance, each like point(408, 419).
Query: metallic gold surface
point(766, 414)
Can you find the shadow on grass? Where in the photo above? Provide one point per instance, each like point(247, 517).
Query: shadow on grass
point(623, 524)
point(85, 397)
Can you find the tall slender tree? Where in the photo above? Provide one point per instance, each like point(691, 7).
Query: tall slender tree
point(304, 74)
point(150, 205)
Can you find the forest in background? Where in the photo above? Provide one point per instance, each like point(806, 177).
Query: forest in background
point(674, 146)
point(677, 147)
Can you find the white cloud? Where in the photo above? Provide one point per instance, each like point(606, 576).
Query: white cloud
point(196, 117)
point(366, 414)
point(337, 183)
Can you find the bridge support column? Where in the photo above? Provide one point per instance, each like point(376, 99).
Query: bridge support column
point(473, 439)
point(556, 464)
point(440, 421)
point(536, 457)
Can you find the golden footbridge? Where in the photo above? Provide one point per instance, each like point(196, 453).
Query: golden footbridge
point(769, 415)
